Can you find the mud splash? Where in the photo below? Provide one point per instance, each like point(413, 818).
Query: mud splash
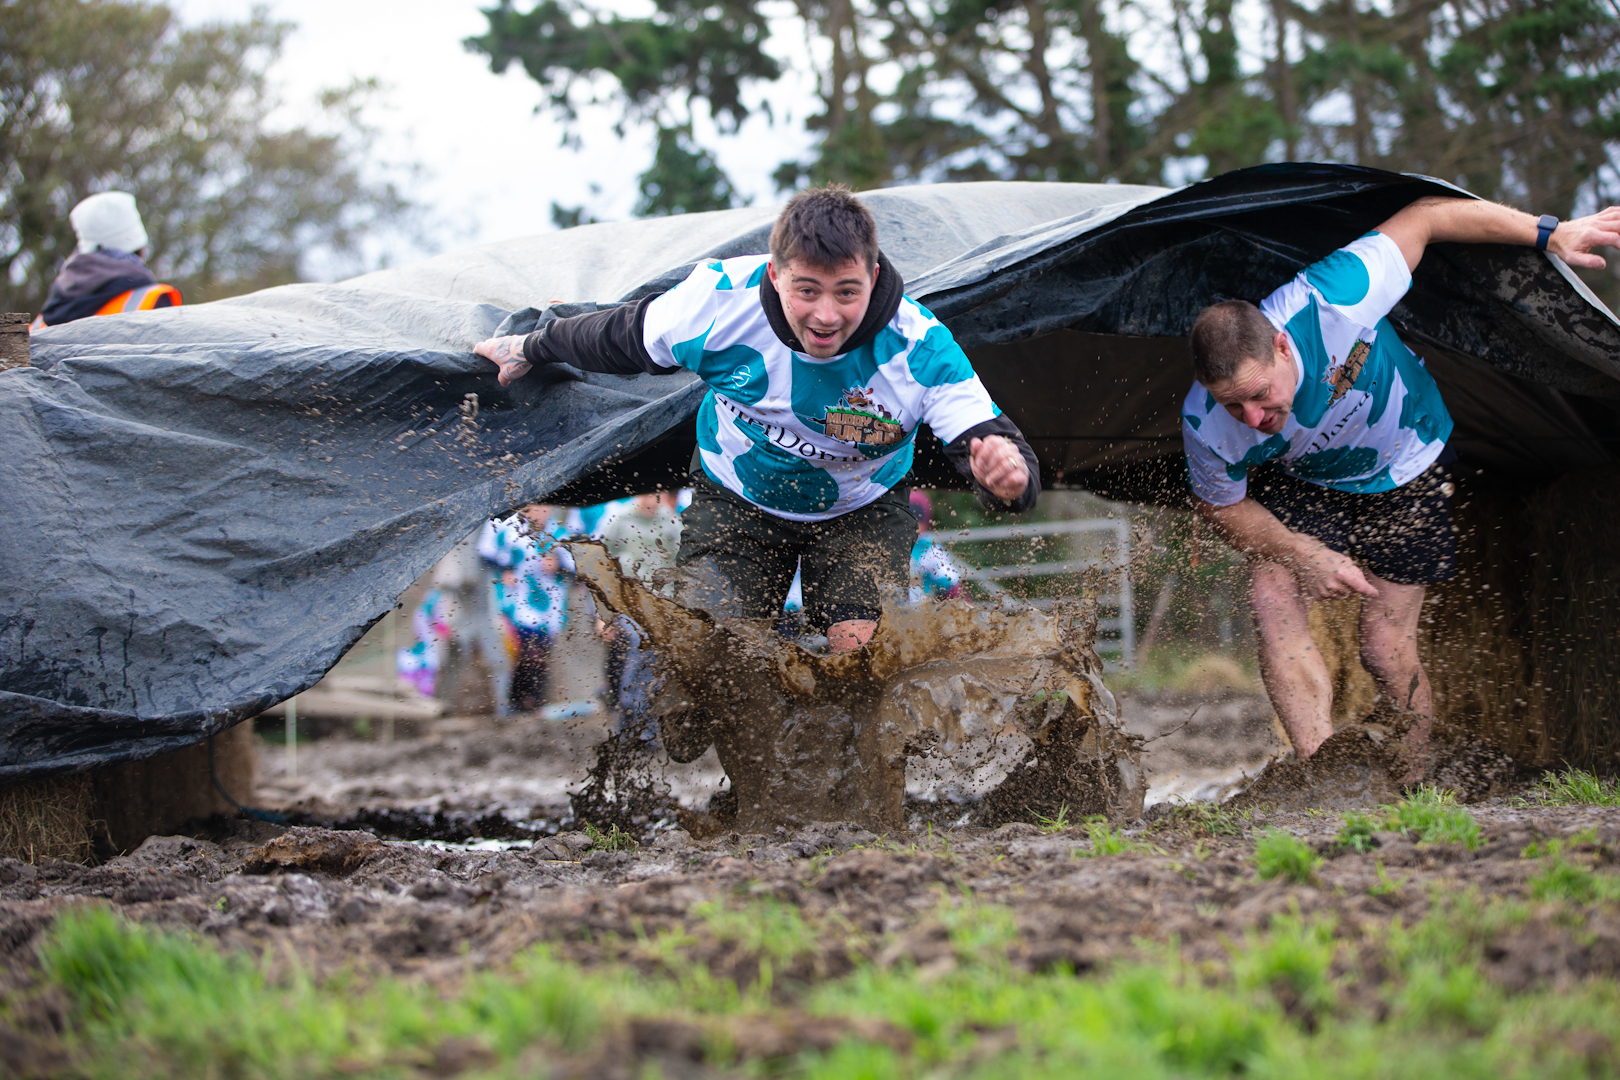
point(1368, 763)
point(805, 737)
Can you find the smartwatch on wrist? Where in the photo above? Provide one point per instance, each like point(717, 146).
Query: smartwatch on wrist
point(1544, 230)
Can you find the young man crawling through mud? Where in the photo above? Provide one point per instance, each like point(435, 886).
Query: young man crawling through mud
point(819, 371)
point(1353, 500)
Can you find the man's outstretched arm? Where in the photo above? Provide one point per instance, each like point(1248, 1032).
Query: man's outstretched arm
point(607, 341)
point(1438, 219)
point(1254, 531)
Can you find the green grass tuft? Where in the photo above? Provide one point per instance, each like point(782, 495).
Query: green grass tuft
point(1059, 822)
point(1572, 787)
point(153, 1003)
point(1105, 840)
point(1281, 854)
point(1293, 961)
point(1437, 996)
point(1431, 816)
point(766, 927)
point(611, 839)
point(1356, 833)
point(1201, 819)
point(1563, 878)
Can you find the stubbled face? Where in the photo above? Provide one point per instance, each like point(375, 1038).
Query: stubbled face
point(1261, 395)
point(824, 305)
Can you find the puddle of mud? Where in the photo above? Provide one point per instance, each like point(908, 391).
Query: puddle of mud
point(1011, 696)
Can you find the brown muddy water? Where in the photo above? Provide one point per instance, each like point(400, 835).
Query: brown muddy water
point(804, 737)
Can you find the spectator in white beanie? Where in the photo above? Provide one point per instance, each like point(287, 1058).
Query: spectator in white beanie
point(111, 222)
point(108, 274)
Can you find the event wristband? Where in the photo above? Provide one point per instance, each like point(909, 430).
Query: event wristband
point(1544, 230)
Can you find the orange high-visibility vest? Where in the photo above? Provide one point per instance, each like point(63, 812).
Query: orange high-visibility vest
point(145, 298)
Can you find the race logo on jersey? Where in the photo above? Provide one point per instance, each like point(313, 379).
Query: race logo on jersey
point(1343, 376)
point(859, 419)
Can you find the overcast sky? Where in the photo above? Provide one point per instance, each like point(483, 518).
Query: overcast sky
point(493, 166)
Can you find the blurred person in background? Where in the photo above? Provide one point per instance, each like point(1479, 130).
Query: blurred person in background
point(934, 572)
point(108, 274)
point(418, 664)
point(530, 591)
point(534, 599)
point(644, 536)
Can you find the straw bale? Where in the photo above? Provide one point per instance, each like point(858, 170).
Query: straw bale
point(112, 809)
point(47, 819)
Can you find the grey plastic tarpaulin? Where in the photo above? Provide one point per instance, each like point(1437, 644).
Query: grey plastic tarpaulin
point(206, 506)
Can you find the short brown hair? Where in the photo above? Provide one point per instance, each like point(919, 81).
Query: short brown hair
point(825, 227)
point(1225, 335)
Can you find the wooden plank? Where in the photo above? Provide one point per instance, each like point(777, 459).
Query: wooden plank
point(13, 339)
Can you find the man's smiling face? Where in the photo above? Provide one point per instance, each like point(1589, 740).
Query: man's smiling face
point(1261, 394)
point(824, 305)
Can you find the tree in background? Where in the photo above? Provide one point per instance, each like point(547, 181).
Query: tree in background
point(98, 95)
point(1517, 100)
point(684, 178)
point(663, 67)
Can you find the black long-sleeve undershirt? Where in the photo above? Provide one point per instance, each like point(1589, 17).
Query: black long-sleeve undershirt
point(608, 341)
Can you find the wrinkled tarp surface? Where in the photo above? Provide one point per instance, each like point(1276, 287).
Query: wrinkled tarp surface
point(206, 506)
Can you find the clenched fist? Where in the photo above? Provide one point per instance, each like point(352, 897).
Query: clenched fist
point(999, 467)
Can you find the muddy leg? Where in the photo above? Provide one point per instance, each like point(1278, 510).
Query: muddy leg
point(849, 635)
point(850, 563)
point(1290, 665)
point(732, 563)
point(1389, 652)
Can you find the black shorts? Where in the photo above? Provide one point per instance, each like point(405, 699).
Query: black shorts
point(750, 555)
point(1404, 536)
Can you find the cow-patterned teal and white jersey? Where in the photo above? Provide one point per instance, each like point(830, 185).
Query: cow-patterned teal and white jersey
point(808, 439)
point(1367, 414)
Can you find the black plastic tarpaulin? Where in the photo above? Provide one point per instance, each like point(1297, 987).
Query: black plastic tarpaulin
point(206, 506)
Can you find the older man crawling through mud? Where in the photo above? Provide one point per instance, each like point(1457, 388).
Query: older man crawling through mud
point(819, 371)
point(1316, 444)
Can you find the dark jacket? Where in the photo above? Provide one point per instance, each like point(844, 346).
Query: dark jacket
point(88, 280)
point(611, 341)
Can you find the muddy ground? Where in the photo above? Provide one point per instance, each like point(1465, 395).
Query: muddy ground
point(331, 901)
point(1196, 748)
point(352, 901)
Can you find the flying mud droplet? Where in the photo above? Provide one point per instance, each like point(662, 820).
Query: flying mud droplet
point(805, 737)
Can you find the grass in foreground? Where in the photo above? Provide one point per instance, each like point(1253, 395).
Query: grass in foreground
point(1281, 854)
point(1303, 998)
point(1572, 787)
point(1106, 840)
point(1429, 815)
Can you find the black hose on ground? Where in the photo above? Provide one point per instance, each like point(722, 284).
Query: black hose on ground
point(249, 811)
